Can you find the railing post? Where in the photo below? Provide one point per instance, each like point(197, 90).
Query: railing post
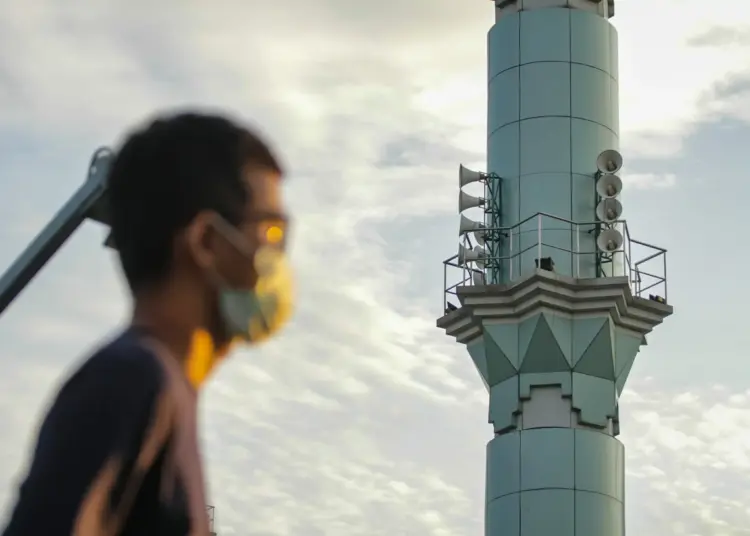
point(629, 257)
point(578, 251)
point(445, 286)
point(511, 256)
point(664, 274)
point(638, 282)
point(539, 239)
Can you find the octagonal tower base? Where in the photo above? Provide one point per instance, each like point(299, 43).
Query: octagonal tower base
point(554, 353)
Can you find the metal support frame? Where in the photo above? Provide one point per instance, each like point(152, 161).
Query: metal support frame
point(211, 511)
point(492, 221)
point(87, 202)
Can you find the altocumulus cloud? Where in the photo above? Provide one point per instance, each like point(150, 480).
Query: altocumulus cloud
point(363, 418)
point(688, 458)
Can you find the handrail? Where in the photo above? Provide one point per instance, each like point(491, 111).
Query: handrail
point(509, 255)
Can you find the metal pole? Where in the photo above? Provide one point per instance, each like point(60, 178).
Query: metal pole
point(511, 255)
point(578, 251)
point(80, 206)
point(445, 286)
point(664, 264)
point(539, 239)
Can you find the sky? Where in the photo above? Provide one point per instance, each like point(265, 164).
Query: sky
point(364, 418)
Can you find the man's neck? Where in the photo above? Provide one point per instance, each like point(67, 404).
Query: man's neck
point(164, 325)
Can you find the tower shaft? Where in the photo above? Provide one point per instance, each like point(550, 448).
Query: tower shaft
point(552, 109)
point(552, 328)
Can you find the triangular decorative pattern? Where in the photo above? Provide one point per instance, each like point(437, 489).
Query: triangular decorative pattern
point(584, 331)
point(499, 368)
point(525, 333)
point(478, 355)
point(598, 359)
point(506, 338)
point(543, 353)
point(623, 377)
point(626, 348)
point(562, 329)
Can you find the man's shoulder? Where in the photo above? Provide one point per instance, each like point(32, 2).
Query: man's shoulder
point(124, 363)
point(116, 388)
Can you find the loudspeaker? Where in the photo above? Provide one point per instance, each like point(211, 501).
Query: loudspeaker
point(478, 279)
point(608, 186)
point(467, 176)
point(466, 255)
point(609, 240)
point(480, 236)
point(466, 201)
point(609, 161)
point(609, 210)
point(467, 225)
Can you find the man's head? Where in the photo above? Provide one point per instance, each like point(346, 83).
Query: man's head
point(196, 207)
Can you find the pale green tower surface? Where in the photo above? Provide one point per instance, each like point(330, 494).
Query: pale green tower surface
point(554, 353)
point(552, 108)
point(553, 312)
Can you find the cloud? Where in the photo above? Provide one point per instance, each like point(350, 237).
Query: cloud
point(648, 181)
point(689, 452)
point(721, 37)
point(297, 79)
point(664, 74)
point(363, 418)
point(729, 98)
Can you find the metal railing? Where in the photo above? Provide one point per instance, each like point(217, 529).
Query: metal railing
point(211, 511)
point(523, 246)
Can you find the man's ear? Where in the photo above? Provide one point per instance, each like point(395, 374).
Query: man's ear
point(199, 237)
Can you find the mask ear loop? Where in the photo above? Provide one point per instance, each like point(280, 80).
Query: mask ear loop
point(234, 236)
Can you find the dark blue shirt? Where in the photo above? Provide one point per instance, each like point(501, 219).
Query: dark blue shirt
point(110, 458)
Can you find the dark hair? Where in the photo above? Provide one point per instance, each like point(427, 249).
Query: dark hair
point(167, 173)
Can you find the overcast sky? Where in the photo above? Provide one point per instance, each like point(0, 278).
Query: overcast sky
point(364, 418)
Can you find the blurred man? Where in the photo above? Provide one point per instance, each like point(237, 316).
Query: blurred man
point(199, 225)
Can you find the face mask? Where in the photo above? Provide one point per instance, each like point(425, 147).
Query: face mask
point(248, 316)
point(255, 315)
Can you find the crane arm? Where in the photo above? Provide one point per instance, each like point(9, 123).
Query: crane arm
point(87, 202)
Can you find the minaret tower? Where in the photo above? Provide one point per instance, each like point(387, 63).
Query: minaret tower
point(549, 292)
